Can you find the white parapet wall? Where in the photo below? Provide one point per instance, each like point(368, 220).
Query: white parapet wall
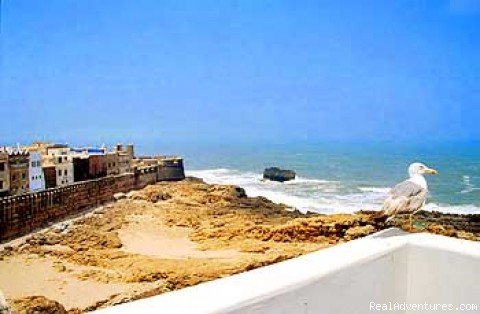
point(388, 272)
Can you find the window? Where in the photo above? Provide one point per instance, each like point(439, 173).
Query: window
point(14, 177)
point(59, 160)
point(24, 175)
point(33, 163)
point(65, 172)
point(59, 173)
point(2, 166)
point(1, 185)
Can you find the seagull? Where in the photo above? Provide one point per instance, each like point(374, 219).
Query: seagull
point(409, 196)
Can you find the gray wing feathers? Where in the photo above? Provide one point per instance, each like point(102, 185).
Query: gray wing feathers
point(405, 197)
point(406, 188)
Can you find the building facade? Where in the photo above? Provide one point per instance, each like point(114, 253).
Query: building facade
point(4, 174)
point(50, 176)
point(81, 170)
point(60, 156)
point(112, 162)
point(18, 164)
point(125, 157)
point(97, 166)
point(64, 169)
point(124, 163)
point(37, 177)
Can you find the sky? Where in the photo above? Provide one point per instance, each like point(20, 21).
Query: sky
point(254, 70)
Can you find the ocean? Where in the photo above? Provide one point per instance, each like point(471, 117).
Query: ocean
point(341, 177)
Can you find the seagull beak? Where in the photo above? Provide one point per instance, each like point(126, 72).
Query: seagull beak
point(431, 171)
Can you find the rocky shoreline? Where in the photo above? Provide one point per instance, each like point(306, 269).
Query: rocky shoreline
point(173, 235)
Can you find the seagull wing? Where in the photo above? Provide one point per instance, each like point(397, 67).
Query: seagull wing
point(406, 188)
point(405, 197)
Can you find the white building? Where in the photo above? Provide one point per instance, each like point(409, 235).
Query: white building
point(37, 178)
point(61, 157)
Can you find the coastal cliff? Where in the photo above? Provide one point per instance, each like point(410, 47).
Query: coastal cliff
point(172, 235)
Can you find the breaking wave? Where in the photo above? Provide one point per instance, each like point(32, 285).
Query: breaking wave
point(305, 194)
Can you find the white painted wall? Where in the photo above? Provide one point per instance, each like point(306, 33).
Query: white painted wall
point(390, 266)
point(446, 271)
point(37, 178)
point(64, 168)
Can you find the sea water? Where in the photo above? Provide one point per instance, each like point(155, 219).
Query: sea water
point(341, 177)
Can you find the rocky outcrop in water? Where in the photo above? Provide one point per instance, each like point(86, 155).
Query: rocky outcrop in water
point(279, 175)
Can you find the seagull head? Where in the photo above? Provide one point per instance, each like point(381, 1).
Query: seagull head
point(418, 168)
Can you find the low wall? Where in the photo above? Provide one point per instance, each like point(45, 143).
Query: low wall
point(23, 213)
point(389, 268)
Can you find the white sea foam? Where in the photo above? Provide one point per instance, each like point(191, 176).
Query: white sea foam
point(468, 186)
point(453, 209)
point(374, 189)
point(305, 194)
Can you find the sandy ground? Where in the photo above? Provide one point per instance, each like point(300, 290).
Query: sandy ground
point(149, 236)
point(165, 237)
point(27, 275)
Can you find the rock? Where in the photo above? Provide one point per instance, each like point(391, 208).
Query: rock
point(99, 211)
point(59, 267)
point(37, 304)
point(119, 196)
point(150, 193)
point(359, 231)
point(23, 247)
point(132, 195)
point(4, 309)
point(194, 180)
point(61, 227)
point(277, 174)
point(240, 192)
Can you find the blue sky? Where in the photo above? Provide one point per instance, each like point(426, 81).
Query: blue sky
point(102, 71)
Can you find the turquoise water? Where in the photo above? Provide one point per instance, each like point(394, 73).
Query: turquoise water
point(341, 177)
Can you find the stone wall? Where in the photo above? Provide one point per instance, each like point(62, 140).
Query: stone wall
point(146, 176)
point(23, 213)
point(171, 169)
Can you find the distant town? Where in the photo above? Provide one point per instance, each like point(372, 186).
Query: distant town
point(43, 165)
